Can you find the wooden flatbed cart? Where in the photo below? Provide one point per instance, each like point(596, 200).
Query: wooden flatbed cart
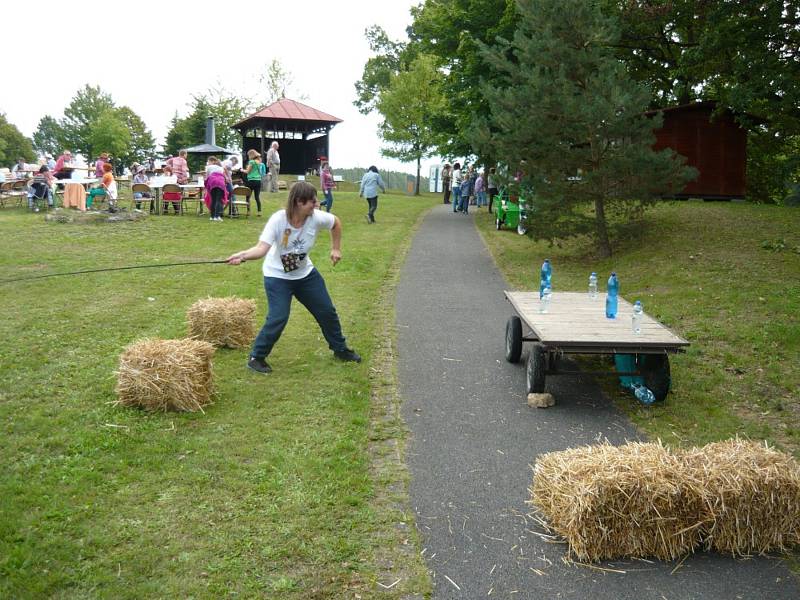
point(576, 324)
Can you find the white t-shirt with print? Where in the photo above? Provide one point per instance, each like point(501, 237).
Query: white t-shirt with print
point(291, 260)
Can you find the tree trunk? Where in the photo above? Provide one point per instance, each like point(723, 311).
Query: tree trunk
point(416, 185)
point(600, 228)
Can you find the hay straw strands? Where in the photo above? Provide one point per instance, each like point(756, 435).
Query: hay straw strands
point(642, 499)
point(623, 501)
point(161, 375)
point(223, 322)
point(752, 496)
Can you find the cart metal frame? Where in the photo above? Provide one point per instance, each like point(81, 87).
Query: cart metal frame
point(576, 324)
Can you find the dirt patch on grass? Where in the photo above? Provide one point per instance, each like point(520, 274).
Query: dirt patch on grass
point(93, 217)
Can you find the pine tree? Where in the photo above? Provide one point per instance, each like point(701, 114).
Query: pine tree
point(573, 121)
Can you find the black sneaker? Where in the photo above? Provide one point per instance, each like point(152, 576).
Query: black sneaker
point(259, 365)
point(347, 355)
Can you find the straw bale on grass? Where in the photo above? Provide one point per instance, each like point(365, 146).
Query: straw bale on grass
point(642, 499)
point(608, 501)
point(752, 496)
point(161, 375)
point(224, 322)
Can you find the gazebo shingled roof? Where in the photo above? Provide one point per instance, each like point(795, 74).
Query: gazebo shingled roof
point(287, 109)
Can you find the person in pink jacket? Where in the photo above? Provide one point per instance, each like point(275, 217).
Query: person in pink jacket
point(327, 184)
point(179, 166)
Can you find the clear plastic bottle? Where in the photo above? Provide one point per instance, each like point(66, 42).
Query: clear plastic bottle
point(636, 318)
point(611, 296)
point(643, 394)
point(545, 277)
point(544, 301)
point(593, 286)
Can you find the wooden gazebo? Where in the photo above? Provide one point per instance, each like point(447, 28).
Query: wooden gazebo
point(302, 132)
point(716, 145)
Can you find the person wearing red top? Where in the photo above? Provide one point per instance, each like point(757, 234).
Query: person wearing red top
point(64, 159)
point(98, 165)
point(328, 184)
point(180, 167)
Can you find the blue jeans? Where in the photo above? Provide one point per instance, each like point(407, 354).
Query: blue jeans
point(456, 198)
point(312, 293)
point(328, 202)
point(463, 204)
point(481, 198)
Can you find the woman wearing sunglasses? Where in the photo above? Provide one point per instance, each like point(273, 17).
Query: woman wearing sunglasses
point(286, 241)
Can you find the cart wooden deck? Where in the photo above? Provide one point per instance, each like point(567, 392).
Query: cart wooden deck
point(576, 324)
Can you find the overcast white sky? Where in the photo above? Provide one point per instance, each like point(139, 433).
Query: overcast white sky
point(156, 55)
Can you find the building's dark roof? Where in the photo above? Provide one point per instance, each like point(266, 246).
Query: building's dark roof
point(286, 109)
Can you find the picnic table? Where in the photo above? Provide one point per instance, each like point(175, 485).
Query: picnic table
point(576, 324)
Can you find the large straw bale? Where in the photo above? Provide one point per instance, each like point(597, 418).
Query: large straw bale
point(608, 502)
point(161, 375)
point(752, 496)
point(224, 322)
point(642, 499)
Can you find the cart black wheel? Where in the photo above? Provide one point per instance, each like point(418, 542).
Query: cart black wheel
point(513, 339)
point(534, 374)
point(498, 224)
point(521, 229)
point(655, 372)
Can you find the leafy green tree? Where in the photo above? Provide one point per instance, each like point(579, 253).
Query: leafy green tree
point(190, 130)
point(79, 116)
point(409, 106)
point(450, 31)
point(389, 60)
point(47, 137)
point(453, 31)
point(141, 145)
point(13, 144)
point(110, 132)
point(572, 120)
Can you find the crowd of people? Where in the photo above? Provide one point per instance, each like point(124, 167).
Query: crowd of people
point(465, 187)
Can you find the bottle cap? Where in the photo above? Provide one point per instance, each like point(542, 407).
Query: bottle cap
point(593, 273)
point(614, 273)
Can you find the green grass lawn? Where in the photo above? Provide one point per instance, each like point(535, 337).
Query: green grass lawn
point(282, 489)
point(271, 493)
point(726, 276)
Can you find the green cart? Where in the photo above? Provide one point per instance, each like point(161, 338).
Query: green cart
point(512, 212)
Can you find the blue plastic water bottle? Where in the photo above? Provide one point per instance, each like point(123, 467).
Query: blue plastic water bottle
point(545, 276)
point(611, 296)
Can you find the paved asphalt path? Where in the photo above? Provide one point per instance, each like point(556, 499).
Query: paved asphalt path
point(474, 440)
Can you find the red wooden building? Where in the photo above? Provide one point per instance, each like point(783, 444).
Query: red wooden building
point(716, 147)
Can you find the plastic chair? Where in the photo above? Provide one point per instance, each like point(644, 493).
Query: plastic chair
point(171, 192)
point(39, 193)
point(142, 188)
point(190, 196)
point(240, 191)
point(5, 192)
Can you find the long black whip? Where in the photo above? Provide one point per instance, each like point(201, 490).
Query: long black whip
point(178, 264)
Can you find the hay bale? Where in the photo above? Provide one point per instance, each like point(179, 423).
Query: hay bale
point(639, 500)
point(161, 375)
point(224, 322)
point(752, 498)
point(630, 501)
